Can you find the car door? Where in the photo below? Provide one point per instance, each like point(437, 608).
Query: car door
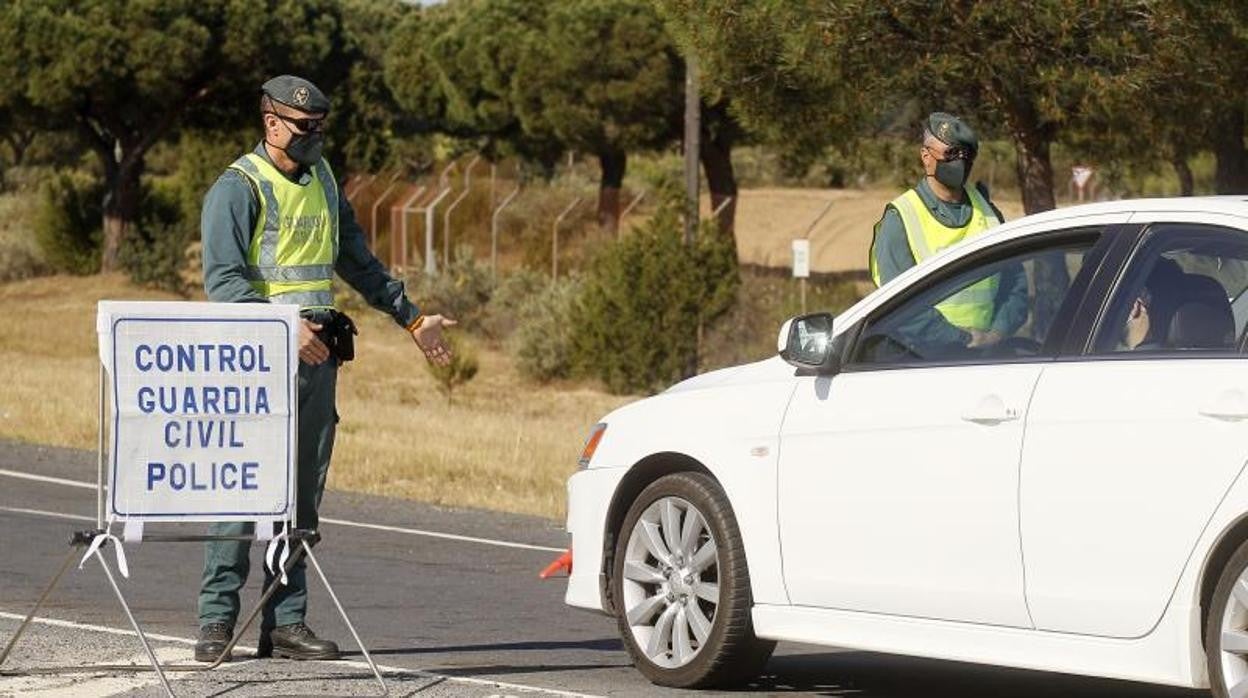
point(1131, 446)
point(898, 477)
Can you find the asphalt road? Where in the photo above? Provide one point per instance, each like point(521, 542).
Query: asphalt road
point(458, 615)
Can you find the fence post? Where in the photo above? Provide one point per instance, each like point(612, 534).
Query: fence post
point(372, 222)
point(494, 230)
point(554, 239)
point(446, 216)
point(431, 262)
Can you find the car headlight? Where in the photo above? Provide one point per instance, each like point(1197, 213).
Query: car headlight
point(591, 444)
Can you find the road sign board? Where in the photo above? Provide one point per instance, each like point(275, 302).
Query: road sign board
point(202, 398)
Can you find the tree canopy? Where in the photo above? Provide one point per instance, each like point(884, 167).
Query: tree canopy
point(126, 76)
point(536, 78)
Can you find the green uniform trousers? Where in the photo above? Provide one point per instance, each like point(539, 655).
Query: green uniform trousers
point(227, 563)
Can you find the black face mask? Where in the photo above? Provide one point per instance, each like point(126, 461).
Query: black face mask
point(303, 148)
point(953, 173)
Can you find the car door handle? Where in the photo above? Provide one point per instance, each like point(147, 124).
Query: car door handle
point(990, 410)
point(1230, 406)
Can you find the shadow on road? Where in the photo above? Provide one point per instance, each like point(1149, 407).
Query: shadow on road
point(870, 675)
point(604, 645)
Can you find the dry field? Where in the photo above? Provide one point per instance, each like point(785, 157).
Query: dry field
point(769, 219)
point(505, 444)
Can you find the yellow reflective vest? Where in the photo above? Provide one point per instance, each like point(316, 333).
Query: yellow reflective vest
point(295, 242)
point(972, 307)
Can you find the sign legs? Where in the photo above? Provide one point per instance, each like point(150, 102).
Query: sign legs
point(78, 540)
point(350, 626)
point(84, 538)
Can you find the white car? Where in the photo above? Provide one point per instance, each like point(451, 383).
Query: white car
point(1064, 494)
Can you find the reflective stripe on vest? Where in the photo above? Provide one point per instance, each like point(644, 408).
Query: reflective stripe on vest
point(973, 306)
point(295, 241)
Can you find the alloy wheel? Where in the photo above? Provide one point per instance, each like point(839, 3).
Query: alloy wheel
point(671, 582)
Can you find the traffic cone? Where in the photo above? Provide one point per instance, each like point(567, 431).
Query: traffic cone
point(563, 562)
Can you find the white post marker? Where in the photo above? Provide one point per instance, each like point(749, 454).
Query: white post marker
point(1080, 174)
point(801, 265)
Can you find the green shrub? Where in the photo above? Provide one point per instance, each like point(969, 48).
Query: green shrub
point(542, 343)
point(19, 262)
point(460, 291)
point(462, 368)
point(155, 255)
point(19, 253)
point(154, 252)
point(502, 314)
point(646, 296)
point(68, 223)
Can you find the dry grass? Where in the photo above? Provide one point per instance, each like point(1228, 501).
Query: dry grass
point(769, 219)
point(505, 444)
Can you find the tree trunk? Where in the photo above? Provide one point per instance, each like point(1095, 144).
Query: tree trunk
point(1187, 184)
point(1231, 175)
point(614, 164)
point(1035, 174)
point(19, 142)
point(121, 208)
point(716, 152)
point(1051, 278)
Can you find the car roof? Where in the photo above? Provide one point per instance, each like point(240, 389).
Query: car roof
point(1229, 204)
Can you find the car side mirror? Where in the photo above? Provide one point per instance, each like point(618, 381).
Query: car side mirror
point(806, 342)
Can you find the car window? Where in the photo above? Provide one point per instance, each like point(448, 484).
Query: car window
point(997, 309)
point(1182, 291)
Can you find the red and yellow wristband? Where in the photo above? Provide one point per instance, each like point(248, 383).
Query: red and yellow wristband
point(415, 324)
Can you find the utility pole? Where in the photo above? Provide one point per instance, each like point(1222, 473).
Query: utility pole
point(693, 126)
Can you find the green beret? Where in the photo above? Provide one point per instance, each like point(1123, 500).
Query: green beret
point(951, 130)
point(297, 93)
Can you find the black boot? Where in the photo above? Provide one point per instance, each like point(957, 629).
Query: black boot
point(297, 641)
point(213, 638)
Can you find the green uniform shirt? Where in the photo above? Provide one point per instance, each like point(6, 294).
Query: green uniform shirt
point(893, 256)
point(228, 222)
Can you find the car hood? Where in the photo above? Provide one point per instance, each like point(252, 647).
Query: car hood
point(773, 369)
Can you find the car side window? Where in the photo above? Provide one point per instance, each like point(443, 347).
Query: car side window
point(1182, 291)
point(996, 309)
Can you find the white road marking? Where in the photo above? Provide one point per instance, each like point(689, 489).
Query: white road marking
point(49, 514)
point(445, 536)
point(337, 522)
point(48, 479)
point(57, 623)
point(523, 688)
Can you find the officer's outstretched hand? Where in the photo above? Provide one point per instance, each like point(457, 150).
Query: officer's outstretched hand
point(430, 340)
point(311, 349)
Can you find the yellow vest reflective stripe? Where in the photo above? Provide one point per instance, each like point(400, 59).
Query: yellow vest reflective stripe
point(972, 307)
point(295, 242)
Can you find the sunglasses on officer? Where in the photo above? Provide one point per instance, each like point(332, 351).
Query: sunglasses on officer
point(311, 125)
point(954, 152)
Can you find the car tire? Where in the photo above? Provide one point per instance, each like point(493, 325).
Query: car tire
point(669, 585)
point(1226, 626)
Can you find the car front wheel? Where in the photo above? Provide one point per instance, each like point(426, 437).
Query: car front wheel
point(683, 588)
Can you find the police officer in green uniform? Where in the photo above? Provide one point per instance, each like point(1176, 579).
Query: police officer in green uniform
point(940, 211)
point(275, 229)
